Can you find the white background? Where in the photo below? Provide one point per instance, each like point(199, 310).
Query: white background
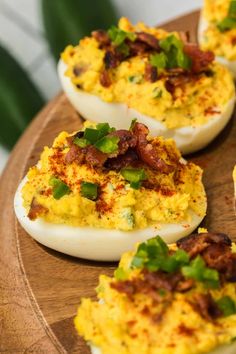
point(21, 31)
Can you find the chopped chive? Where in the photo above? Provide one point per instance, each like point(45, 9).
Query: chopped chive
point(157, 92)
point(135, 79)
point(120, 274)
point(81, 142)
point(59, 188)
point(227, 306)
point(118, 36)
point(133, 123)
point(108, 144)
point(89, 190)
point(92, 135)
point(159, 60)
point(134, 175)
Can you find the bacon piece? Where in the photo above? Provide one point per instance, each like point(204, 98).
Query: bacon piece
point(105, 79)
point(147, 152)
point(150, 73)
point(206, 306)
point(112, 59)
point(137, 48)
point(122, 161)
point(95, 157)
point(102, 37)
point(215, 250)
point(176, 81)
point(200, 59)
point(148, 39)
point(76, 154)
point(36, 210)
point(196, 243)
point(126, 140)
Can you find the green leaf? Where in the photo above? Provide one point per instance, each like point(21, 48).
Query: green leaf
point(67, 21)
point(19, 99)
point(59, 188)
point(89, 190)
point(159, 60)
point(81, 142)
point(227, 306)
point(108, 144)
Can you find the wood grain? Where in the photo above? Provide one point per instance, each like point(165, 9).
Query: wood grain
point(39, 288)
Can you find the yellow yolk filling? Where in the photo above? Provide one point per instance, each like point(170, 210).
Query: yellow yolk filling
point(221, 43)
point(116, 324)
point(192, 104)
point(118, 206)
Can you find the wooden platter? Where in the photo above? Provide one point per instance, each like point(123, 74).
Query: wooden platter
point(39, 288)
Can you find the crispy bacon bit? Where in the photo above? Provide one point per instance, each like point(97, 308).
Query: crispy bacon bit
point(102, 37)
point(105, 79)
point(206, 306)
point(95, 157)
point(177, 80)
point(215, 250)
point(122, 161)
point(137, 48)
point(126, 140)
point(148, 39)
point(150, 73)
point(200, 59)
point(74, 154)
point(196, 243)
point(36, 210)
point(111, 59)
point(147, 152)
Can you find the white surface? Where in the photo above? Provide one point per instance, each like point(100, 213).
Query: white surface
point(22, 33)
point(110, 244)
point(188, 139)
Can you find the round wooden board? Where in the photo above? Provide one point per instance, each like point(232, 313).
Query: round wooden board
point(39, 288)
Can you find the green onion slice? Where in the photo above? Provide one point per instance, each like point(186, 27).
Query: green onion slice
point(134, 175)
point(226, 305)
point(89, 190)
point(59, 188)
point(108, 144)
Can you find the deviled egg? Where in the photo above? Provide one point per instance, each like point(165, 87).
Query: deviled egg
point(172, 86)
point(97, 192)
point(177, 299)
point(217, 31)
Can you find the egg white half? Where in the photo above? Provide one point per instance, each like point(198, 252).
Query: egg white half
point(225, 349)
point(94, 243)
point(119, 115)
point(202, 26)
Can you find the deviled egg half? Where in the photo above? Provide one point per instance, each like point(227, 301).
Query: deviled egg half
point(217, 31)
point(172, 86)
point(97, 192)
point(166, 300)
